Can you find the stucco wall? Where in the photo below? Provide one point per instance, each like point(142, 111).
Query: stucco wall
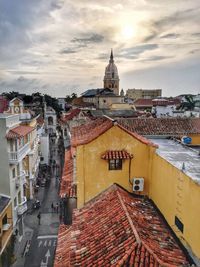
point(4, 162)
point(93, 175)
point(176, 194)
point(195, 139)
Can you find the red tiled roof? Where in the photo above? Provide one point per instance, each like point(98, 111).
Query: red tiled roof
point(138, 137)
point(67, 186)
point(117, 229)
point(162, 126)
point(88, 132)
point(80, 103)
point(114, 154)
point(143, 102)
point(40, 120)
point(71, 115)
point(19, 131)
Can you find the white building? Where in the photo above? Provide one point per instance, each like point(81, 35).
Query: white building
point(50, 120)
point(14, 148)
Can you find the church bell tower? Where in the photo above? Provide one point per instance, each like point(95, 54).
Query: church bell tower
point(111, 78)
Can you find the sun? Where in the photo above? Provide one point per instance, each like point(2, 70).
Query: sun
point(127, 32)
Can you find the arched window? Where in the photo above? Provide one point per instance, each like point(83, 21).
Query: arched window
point(50, 120)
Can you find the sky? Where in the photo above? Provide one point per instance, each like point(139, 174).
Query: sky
point(60, 47)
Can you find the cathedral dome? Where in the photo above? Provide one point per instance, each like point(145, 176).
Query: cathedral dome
point(111, 78)
point(111, 69)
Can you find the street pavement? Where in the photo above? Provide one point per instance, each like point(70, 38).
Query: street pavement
point(36, 248)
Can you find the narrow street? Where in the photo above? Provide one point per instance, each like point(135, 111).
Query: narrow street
point(37, 247)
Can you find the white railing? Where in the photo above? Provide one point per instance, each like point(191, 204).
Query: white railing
point(22, 177)
point(22, 207)
point(17, 156)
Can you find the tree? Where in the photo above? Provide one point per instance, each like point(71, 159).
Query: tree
point(27, 99)
point(11, 95)
point(69, 98)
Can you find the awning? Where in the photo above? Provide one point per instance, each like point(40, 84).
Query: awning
point(116, 154)
point(19, 131)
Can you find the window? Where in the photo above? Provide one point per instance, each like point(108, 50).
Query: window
point(15, 202)
point(179, 224)
point(13, 173)
point(5, 220)
point(115, 164)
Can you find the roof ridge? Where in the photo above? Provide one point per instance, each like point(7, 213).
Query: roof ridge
point(137, 136)
point(129, 218)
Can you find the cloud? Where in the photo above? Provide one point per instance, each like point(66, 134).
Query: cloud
point(156, 58)
point(63, 44)
point(135, 51)
point(67, 51)
point(93, 38)
point(170, 36)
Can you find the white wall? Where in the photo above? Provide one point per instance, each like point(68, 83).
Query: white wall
point(44, 148)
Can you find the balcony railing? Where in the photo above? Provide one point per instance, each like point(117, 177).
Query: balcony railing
point(22, 176)
point(22, 207)
point(16, 156)
point(20, 179)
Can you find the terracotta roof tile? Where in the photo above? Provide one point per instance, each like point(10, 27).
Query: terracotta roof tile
point(143, 102)
point(116, 154)
point(19, 131)
point(162, 126)
point(67, 187)
point(117, 229)
point(88, 132)
point(73, 113)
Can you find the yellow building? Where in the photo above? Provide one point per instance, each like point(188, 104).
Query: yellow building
point(168, 173)
point(6, 222)
point(107, 153)
point(175, 189)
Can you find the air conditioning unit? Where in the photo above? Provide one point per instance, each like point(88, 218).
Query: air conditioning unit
point(138, 184)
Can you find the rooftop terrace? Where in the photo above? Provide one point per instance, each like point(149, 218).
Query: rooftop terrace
point(180, 156)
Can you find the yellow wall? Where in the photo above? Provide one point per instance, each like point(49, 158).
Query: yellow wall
point(93, 175)
point(176, 194)
point(5, 235)
point(195, 139)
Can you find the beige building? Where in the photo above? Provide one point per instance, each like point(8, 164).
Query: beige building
point(143, 93)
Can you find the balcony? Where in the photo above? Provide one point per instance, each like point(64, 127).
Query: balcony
point(17, 156)
point(20, 179)
point(22, 207)
point(35, 145)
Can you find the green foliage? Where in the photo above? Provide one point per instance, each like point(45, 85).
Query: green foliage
point(69, 98)
point(53, 102)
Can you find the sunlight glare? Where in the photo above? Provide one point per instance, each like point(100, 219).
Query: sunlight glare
point(127, 32)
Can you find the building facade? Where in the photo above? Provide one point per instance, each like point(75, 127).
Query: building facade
point(143, 93)
point(111, 78)
point(103, 153)
point(6, 222)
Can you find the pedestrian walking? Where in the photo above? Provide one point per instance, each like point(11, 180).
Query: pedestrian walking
point(52, 207)
point(39, 217)
point(57, 207)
